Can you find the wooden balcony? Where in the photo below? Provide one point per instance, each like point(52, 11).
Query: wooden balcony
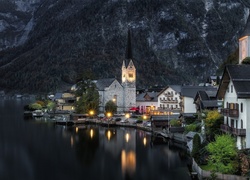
point(168, 101)
point(230, 112)
point(238, 132)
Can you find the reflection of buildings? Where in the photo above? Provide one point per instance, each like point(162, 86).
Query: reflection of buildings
point(120, 143)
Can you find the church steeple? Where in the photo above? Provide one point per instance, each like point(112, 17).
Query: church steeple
point(244, 43)
point(128, 68)
point(129, 54)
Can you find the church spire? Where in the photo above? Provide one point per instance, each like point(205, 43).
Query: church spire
point(129, 47)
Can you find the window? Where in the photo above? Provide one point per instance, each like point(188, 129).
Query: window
point(241, 107)
point(130, 75)
point(232, 88)
point(241, 124)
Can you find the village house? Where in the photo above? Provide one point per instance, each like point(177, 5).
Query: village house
point(234, 91)
point(147, 101)
point(169, 98)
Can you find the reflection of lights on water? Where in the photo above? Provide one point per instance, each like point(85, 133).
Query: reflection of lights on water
point(109, 134)
point(91, 133)
point(76, 129)
point(128, 162)
point(71, 141)
point(127, 137)
point(144, 141)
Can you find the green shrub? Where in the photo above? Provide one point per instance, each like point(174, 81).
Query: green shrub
point(191, 127)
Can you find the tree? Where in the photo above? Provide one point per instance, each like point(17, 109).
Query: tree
point(213, 121)
point(51, 105)
point(246, 60)
point(88, 95)
point(196, 147)
point(223, 154)
point(89, 101)
point(35, 106)
point(111, 107)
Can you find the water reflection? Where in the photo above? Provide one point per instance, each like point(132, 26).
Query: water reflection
point(127, 153)
point(29, 148)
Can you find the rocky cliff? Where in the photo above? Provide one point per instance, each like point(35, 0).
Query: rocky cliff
point(48, 44)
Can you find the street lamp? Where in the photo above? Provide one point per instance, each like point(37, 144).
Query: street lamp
point(109, 115)
point(169, 113)
point(127, 116)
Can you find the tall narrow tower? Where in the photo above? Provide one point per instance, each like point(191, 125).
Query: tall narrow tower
point(129, 78)
point(244, 43)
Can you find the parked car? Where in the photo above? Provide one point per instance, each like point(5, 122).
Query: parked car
point(147, 124)
point(124, 121)
point(118, 119)
point(138, 121)
point(101, 115)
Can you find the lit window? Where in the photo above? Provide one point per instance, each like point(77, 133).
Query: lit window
point(130, 75)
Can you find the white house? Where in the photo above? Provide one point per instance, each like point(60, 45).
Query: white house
point(188, 94)
point(234, 90)
point(169, 98)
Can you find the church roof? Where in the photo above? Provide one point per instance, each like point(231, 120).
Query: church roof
point(246, 31)
point(101, 84)
point(240, 77)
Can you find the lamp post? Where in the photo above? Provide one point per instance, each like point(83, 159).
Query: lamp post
point(127, 116)
point(91, 114)
point(108, 115)
point(169, 113)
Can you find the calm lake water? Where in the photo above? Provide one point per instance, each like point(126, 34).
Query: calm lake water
point(34, 150)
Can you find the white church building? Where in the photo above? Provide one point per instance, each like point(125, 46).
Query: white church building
point(123, 92)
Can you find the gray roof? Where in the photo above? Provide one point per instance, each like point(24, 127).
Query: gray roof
point(190, 91)
point(177, 88)
point(240, 76)
point(152, 95)
point(101, 84)
point(210, 103)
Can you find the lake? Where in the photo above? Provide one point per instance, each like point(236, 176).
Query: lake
point(39, 149)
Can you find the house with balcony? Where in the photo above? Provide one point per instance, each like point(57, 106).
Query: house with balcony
point(234, 90)
point(169, 98)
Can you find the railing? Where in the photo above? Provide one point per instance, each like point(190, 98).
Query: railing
point(230, 112)
point(168, 101)
point(231, 130)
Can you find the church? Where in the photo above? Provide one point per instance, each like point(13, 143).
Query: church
point(122, 92)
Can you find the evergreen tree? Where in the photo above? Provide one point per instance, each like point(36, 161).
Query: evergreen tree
point(196, 147)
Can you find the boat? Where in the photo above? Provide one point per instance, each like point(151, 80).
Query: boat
point(37, 113)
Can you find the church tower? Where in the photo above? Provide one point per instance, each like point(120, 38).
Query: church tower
point(244, 43)
point(129, 78)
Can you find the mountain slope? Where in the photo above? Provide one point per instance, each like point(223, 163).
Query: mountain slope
point(174, 42)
